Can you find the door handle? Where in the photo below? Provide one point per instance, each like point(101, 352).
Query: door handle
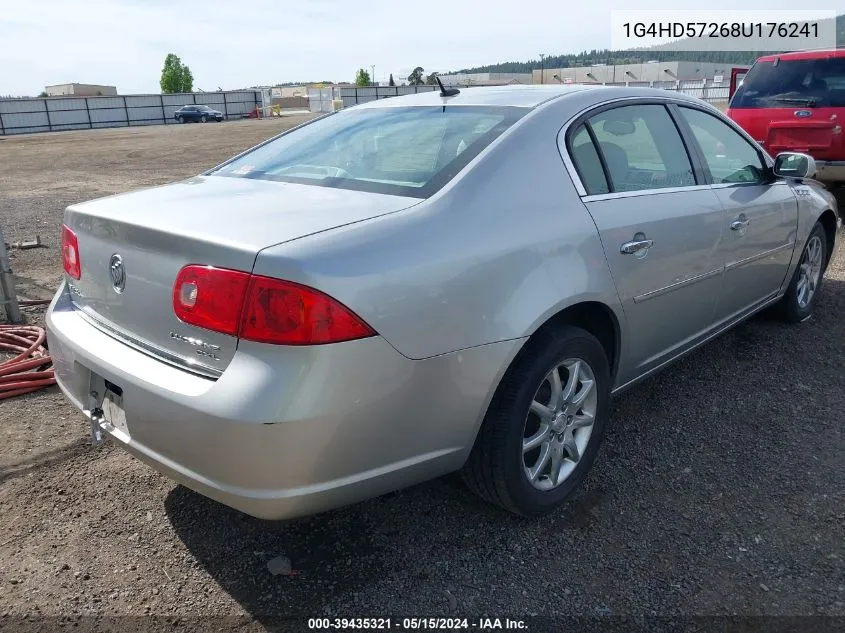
point(741, 223)
point(635, 246)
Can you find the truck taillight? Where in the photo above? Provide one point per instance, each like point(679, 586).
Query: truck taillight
point(262, 309)
point(70, 253)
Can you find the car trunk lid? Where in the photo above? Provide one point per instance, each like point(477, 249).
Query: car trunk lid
point(209, 220)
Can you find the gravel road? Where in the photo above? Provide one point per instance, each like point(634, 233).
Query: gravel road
point(720, 488)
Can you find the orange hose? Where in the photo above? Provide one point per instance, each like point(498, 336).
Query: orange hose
point(16, 374)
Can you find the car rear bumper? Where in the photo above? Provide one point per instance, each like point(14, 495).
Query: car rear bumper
point(285, 431)
point(830, 170)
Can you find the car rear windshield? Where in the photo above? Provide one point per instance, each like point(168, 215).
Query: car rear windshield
point(407, 151)
point(790, 83)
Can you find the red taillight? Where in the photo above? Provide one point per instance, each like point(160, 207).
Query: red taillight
point(286, 313)
point(211, 298)
point(70, 253)
point(262, 309)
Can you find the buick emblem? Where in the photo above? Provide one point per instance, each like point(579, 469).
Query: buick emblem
point(117, 272)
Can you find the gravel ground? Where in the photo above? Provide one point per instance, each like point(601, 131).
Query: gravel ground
point(720, 488)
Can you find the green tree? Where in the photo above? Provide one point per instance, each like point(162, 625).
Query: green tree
point(175, 76)
point(42, 94)
point(431, 80)
point(392, 83)
point(362, 78)
point(416, 76)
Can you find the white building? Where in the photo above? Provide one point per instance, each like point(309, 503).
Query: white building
point(485, 79)
point(79, 90)
point(647, 72)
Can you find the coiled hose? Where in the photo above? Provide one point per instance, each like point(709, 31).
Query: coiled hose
point(32, 368)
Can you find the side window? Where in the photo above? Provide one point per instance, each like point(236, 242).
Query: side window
point(587, 162)
point(642, 148)
point(730, 158)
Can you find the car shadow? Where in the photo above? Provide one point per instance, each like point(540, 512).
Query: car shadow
point(337, 554)
point(439, 525)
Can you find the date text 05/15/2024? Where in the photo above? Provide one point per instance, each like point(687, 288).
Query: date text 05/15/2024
point(417, 624)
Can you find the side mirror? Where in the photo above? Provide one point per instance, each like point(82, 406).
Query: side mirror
point(794, 165)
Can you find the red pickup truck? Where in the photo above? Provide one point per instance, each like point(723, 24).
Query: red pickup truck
point(796, 102)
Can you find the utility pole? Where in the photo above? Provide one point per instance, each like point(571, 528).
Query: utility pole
point(373, 76)
point(542, 67)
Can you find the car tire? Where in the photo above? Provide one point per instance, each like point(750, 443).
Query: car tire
point(204, 118)
point(500, 465)
point(797, 304)
point(179, 119)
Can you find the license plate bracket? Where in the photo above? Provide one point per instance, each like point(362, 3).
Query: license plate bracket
point(107, 411)
point(113, 411)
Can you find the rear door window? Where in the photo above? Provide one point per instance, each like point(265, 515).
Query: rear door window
point(588, 163)
point(642, 148)
point(791, 83)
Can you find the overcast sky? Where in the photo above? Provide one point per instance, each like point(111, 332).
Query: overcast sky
point(238, 43)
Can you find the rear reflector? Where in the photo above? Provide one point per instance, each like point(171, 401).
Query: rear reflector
point(262, 309)
point(70, 253)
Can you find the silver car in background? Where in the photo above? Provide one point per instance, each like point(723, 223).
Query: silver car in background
point(425, 284)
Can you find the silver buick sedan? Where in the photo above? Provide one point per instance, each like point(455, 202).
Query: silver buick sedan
point(424, 284)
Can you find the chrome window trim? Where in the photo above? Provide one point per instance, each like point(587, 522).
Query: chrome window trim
point(145, 347)
point(598, 197)
point(760, 183)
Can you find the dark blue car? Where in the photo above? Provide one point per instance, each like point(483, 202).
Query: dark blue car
point(200, 113)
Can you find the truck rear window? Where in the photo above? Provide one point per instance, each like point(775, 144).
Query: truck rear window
point(407, 151)
point(793, 83)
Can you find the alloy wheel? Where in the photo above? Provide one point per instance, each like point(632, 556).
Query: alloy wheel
point(559, 423)
point(809, 271)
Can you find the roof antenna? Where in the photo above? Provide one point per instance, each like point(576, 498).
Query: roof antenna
point(446, 92)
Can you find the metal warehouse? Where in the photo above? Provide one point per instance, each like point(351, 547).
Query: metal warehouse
point(80, 90)
point(650, 71)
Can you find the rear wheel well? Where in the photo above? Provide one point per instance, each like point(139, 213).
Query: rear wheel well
point(597, 319)
point(828, 221)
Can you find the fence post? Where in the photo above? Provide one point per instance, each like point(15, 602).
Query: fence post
point(194, 95)
point(163, 115)
point(225, 106)
point(2, 129)
point(47, 110)
point(126, 110)
point(356, 95)
point(88, 112)
point(8, 294)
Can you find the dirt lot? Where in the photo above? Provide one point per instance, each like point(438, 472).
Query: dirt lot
point(720, 488)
